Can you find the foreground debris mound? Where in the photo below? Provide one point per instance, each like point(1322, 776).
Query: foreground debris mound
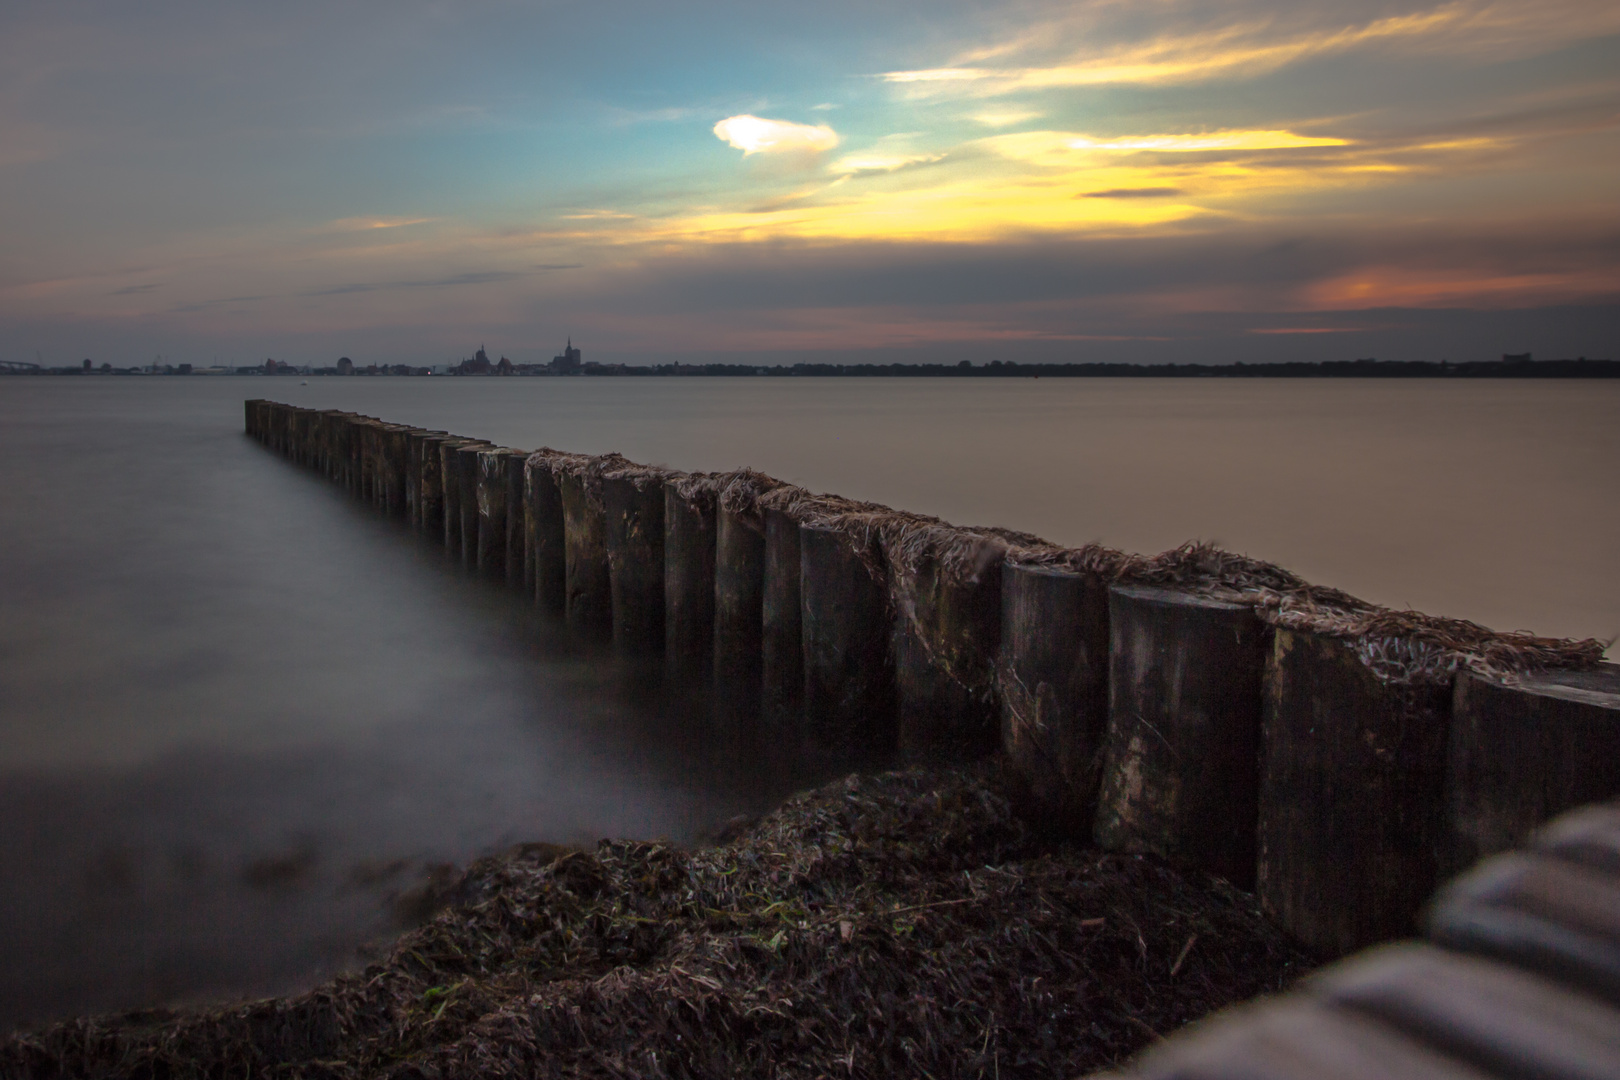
point(897, 925)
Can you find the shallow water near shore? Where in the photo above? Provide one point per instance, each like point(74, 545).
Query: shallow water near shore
point(242, 718)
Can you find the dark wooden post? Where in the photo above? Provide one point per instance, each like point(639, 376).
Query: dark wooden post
point(395, 439)
point(450, 491)
point(1520, 755)
point(1053, 680)
point(849, 689)
point(547, 536)
point(1351, 804)
point(1181, 751)
point(589, 603)
point(946, 634)
point(516, 539)
point(464, 473)
point(633, 504)
point(491, 486)
point(739, 606)
point(430, 501)
point(689, 576)
point(781, 639)
point(416, 443)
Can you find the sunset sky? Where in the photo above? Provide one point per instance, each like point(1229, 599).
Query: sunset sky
point(1149, 180)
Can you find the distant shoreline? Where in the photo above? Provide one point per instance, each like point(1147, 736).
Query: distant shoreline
point(1508, 368)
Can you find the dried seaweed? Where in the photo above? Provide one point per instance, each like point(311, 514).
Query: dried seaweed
point(740, 493)
point(1397, 646)
point(904, 924)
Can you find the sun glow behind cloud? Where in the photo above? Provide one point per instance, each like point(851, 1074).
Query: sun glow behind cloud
point(756, 135)
point(1085, 123)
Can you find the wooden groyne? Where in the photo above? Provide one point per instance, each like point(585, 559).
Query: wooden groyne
point(1519, 977)
point(1336, 757)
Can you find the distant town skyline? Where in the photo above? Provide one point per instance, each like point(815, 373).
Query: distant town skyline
point(1029, 181)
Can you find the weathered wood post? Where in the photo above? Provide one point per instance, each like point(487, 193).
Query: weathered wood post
point(333, 421)
point(544, 523)
point(739, 593)
point(781, 639)
point(945, 588)
point(430, 500)
point(490, 486)
point(464, 474)
point(1351, 803)
point(396, 467)
point(450, 490)
point(1519, 755)
point(352, 428)
point(589, 602)
point(689, 576)
point(289, 432)
point(1053, 680)
point(371, 461)
point(515, 541)
point(849, 689)
point(416, 442)
point(633, 505)
point(1182, 746)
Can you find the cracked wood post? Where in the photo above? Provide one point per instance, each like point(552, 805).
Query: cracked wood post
point(354, 446)
point(491, 490)
point(515, 541)
point(1181, 749)
point(464, 474)
point(781, 641)
point(547, 543)
point(430, 500)
point(589, 603)
point(1520, 755)
point(849, 688)
point(1351, 794)
point(395, 447)
point(689, 580)
point(633, 508)
point(450, 490)
point(945, 637)
point(739, 609)
point(1053, 681)
point(416, 441)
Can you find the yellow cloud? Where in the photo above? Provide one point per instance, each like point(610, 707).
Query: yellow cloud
point(878, 161)
point(1220, 140)
point(757, 135)
point(1256, 47)
point(361, 224)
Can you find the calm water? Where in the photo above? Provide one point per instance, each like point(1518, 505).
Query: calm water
point(240, 716)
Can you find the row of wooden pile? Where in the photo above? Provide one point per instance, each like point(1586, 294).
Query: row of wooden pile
point(1205, 708)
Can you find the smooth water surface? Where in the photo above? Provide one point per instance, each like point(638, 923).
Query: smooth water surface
point(242, 716)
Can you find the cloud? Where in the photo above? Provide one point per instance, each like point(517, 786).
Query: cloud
point(364, 224)
point(879, 162)
point(1219, 140)
point(757, 135)
point(1133, 193)
point(1004, 117)
point(483, 277)
point(1250, 44)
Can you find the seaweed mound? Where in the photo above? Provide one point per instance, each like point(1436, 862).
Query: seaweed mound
point(906, 924)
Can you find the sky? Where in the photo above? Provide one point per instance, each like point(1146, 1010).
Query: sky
point(1151, 180)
